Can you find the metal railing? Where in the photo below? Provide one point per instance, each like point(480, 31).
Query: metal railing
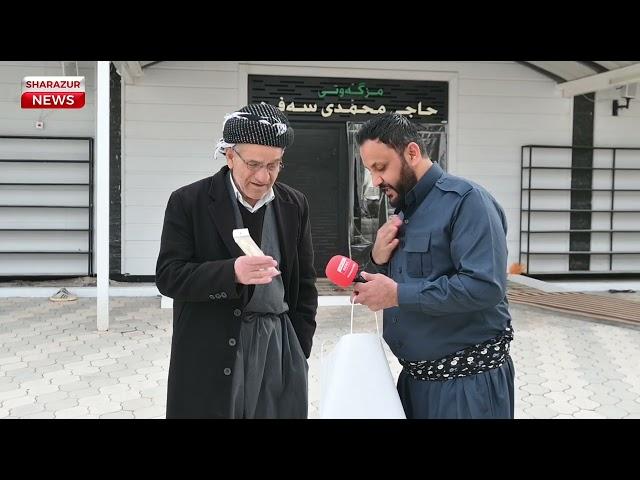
point(529, 166)
point(89, 161)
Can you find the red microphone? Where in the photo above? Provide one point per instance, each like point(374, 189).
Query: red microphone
point(343, 271)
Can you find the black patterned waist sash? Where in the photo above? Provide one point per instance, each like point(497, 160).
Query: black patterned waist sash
point(469, 361)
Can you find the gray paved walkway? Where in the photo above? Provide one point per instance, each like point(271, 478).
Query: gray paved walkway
point(54, 364)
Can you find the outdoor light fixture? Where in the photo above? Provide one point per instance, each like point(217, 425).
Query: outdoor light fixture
point(627, 92)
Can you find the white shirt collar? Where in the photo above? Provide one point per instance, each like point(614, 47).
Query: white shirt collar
point(268, 197)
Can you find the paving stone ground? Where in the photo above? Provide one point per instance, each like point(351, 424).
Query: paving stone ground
point(55, 364)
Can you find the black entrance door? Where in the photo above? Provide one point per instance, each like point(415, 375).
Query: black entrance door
point(316, 164)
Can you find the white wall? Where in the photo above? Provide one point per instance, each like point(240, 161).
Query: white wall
point(173, 118)
point(172, 121)
point(16, 121)
point(620, 131)
point(501, 109)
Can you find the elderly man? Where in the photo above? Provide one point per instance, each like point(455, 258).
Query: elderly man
point(242, 325)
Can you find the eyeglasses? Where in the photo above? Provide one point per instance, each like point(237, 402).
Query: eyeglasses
point(254, 166)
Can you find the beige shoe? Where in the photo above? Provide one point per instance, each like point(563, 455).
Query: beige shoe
point(63, 295)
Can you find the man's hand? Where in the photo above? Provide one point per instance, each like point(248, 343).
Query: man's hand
point(377, 293)
point(386, 241)
point(255, 270)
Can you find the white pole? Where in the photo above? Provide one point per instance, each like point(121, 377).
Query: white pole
point(102, 194)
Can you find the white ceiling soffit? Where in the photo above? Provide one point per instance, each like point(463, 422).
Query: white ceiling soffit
point(573, 77)
point(129, 70)
point(614, 65)
point(565, 70)
point(602, 81)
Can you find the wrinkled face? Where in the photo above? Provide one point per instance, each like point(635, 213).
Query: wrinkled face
point(389, 171)
point(255, 169)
